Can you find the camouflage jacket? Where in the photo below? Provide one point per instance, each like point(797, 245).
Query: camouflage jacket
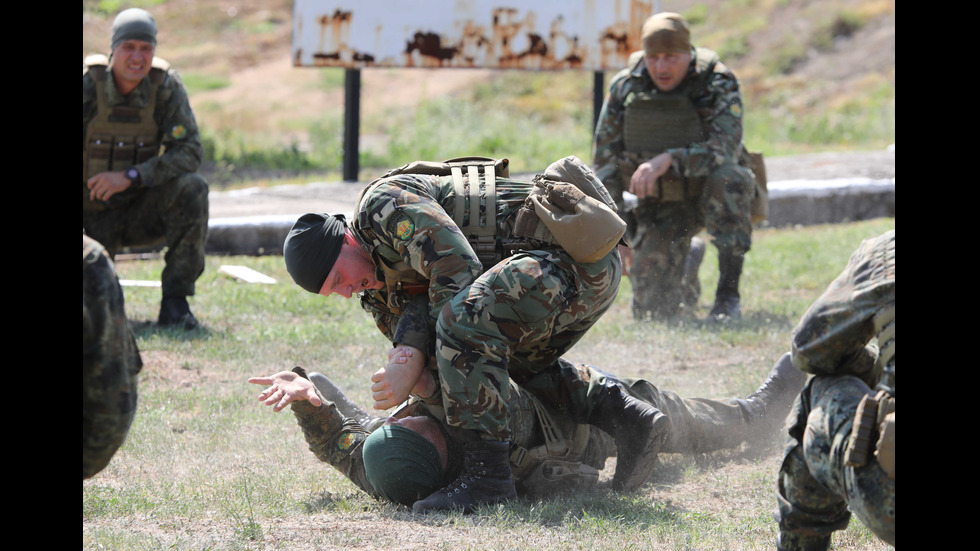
point(713, 90)
point(110, 361)
point(857, 308)
point(407, 220)
point(177, 128)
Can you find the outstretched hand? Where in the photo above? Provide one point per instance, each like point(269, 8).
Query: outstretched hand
point(286, 387)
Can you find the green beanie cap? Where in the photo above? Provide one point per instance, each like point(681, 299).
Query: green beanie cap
point(311, 248)
point(133, 24)
point(401, 464)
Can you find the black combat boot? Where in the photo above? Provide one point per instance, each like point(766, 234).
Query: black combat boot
point(639, 430)
point(727, 305)
point(788, 541)
point(765, 410)
point(690, 284)
point(485, 479)
point(175, 312)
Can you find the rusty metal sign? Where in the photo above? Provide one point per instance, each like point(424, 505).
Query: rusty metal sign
point(594, 35)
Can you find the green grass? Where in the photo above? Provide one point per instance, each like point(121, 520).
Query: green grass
point(206, 466)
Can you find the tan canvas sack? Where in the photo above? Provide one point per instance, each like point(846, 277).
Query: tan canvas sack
point(577, 210)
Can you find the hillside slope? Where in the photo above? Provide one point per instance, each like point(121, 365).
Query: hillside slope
point(794, 58)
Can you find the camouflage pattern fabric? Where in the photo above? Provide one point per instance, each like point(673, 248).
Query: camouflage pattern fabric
point(660, 232)
point(816, 491)
point(110, 361)
point(483, 325)
point(699, 425)
point(169, 203)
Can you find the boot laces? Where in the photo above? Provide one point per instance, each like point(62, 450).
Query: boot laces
point(469, 476)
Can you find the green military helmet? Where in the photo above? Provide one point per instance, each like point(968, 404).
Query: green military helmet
point(401, 464)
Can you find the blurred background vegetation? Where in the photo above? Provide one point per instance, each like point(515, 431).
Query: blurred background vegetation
point(816, 75)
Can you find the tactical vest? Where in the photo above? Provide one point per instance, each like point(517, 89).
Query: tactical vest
point(121, 136)
point(478, 225)
point(586, 223)
point(655, 122)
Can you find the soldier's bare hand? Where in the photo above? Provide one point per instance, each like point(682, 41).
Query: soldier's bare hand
point(394, 382)
point(285, 387)
point(106, 184)
point(644, 179)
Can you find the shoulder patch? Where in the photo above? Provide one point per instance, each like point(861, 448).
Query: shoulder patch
point(737, 109)
point(345, 441)
point(401, 226)
point(178, 132)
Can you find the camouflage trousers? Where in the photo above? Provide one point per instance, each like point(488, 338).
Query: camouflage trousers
point(110, 361)
point(816, 492)
point(699, 425)
point(516, 320)
point(661, 234)
point(174, 212)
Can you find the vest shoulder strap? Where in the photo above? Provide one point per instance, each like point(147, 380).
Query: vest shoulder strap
point(96, 64)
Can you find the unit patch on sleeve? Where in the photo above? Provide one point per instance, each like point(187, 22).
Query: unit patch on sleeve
point(345, 441)
point(178, 132)
point(737, 109)
point(401, 226)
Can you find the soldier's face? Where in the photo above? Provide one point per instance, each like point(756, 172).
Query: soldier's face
point(668, 69)
point(131, 62)
point(351, 273)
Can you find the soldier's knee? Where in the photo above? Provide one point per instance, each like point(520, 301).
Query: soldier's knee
point(192, 183)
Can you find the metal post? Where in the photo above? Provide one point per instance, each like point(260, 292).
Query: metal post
point(598, 95)
point(352, 122)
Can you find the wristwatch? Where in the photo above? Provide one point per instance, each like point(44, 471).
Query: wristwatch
point(133, 174)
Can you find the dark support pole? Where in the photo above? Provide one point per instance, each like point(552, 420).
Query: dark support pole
point(598, 94)
point(352, 122)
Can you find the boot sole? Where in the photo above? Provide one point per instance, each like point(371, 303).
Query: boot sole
point(647, 460)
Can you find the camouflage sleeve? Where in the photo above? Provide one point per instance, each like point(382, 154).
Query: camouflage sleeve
point(832, 334)
point(373, 303)
point(426, 238)
point(89, 104)
point(720, 107)
point(110, 361)
point(334, 439)
point(411, 328)
point(179, 135)
point(608, 143)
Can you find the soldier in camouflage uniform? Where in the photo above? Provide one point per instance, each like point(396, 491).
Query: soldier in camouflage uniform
point(414, 452)
point(670, 132)
point(840, 451)
point(141, 151)
point(110, 361)
point(492, 307)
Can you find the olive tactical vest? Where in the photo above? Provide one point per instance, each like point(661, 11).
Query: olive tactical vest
point(655, 122)
point(121, 136)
